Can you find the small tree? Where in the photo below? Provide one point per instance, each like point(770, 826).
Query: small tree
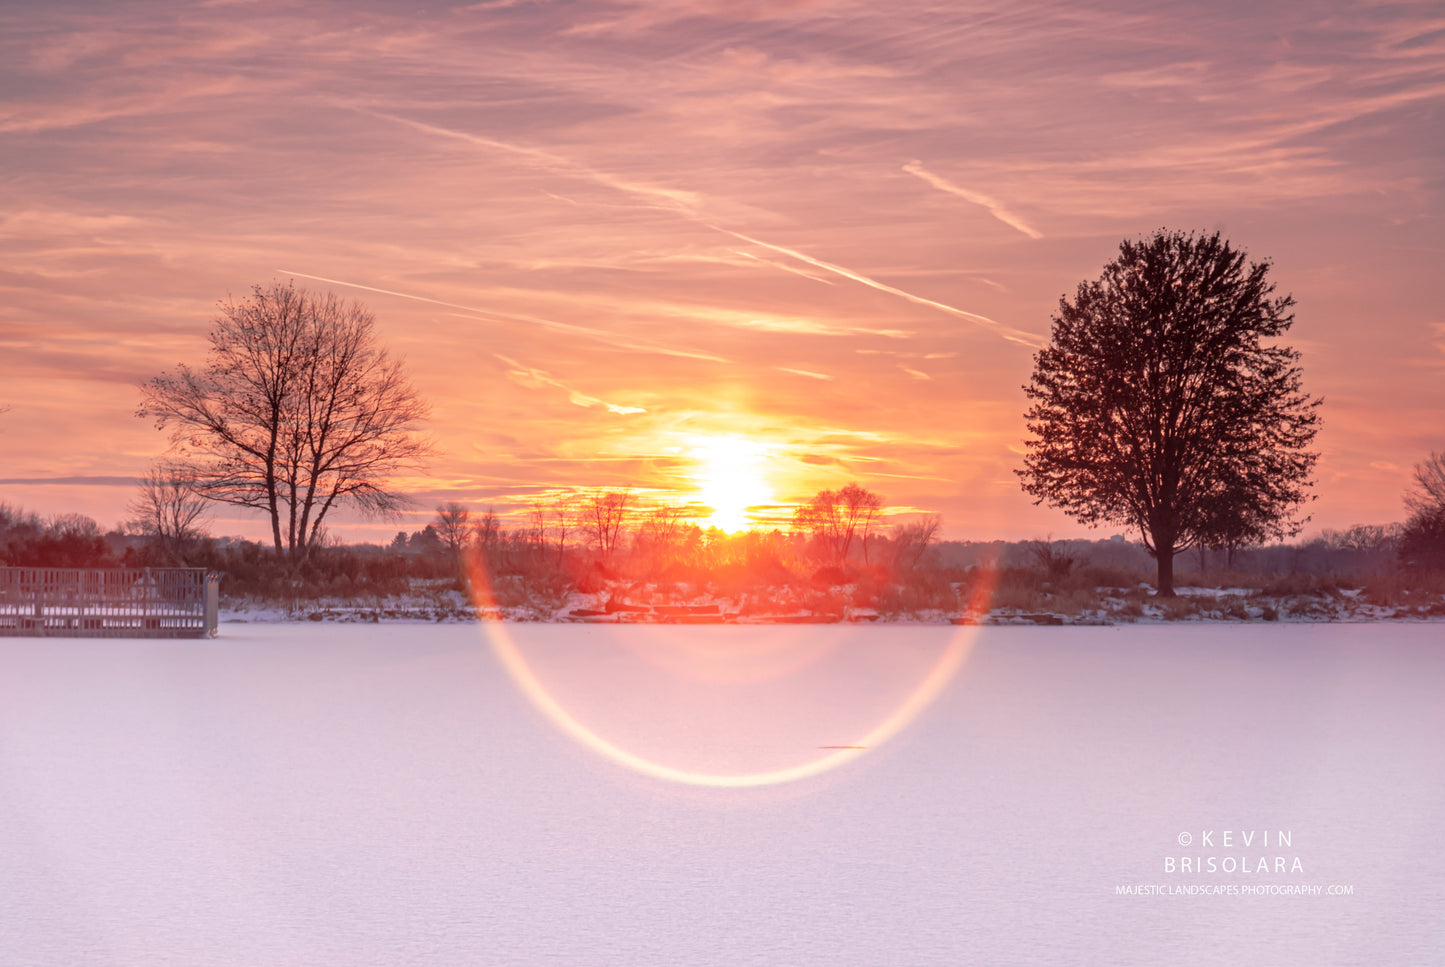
point(660, 535)
point(18, 523)
point(562, 515)
point(835, 518)
point(860, 509)
point(453, 526)
point(539, 518)
point(1422, 539)
point(1052, 558)
point(911, 541)
point(1428, 493)
point(603, 514)
point(487, 531)
point(1160, 402)
point(427, 542)
point(296, 411)
point(1422, 542)
point(65, 540)
point(169, 507)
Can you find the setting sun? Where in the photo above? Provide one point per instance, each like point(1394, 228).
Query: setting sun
point(730, 479)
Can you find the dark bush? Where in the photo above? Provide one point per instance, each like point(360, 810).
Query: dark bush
point(1422, 543)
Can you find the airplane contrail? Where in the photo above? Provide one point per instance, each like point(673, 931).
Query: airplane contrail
point(685, 203)
point(994, 206)
point(1005, 331)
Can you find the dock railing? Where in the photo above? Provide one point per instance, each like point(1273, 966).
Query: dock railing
point(153, 602)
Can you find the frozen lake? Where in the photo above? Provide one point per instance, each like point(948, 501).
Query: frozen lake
point(627, 795)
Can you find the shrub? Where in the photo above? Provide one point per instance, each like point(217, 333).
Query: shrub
point(1285, 585)
point(1092, 576)
point(1017, 597)
point(914, 593)
point(1178, 609)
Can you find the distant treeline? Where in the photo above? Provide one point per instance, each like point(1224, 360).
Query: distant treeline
point(903, 569)
point(1357, 552)
point(247, 568)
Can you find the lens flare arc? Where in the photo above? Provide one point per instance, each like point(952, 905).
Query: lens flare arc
point(937, 678)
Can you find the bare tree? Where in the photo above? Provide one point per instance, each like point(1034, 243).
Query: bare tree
point(911, 541)
point(820, 520)
point(170, 508)
point(604, 513)
point(484, 548)
point(453, 526)
point(861, 509)
point(73, 525)
point(1422, 539)
point(538, 514)
point(296, 411)
point(487, 531)
point(661, 532)
point(563, 512)
point(17, 520)
point(1429, 491)
point(834, 519)
point(1052, 559)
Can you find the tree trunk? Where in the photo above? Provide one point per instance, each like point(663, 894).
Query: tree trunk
point(1165, 557)
point(274, 506)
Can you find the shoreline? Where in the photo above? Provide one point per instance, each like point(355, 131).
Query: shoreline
point(1274, 611)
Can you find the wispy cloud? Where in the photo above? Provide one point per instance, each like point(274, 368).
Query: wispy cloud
point(597, 334)
point(643, 17)
point(803, 372)
point(32, 119)
point(83, 480)
point(534, 378)
point(807, 327)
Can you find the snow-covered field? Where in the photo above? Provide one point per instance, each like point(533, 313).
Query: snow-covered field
point(332, 794)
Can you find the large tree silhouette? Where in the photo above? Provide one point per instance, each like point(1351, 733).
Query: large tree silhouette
point(296, 411)
point(1162, 403)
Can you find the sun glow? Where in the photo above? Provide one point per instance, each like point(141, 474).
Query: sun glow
point(730, 479)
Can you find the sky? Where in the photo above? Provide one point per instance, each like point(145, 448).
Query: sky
point(647, 244)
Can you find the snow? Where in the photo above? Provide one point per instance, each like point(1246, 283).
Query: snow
point(323, 793)
point(1193, 604)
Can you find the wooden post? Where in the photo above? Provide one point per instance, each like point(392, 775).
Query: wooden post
point(213, 604)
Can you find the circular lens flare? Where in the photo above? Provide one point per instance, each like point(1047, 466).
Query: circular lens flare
point(547, 701)
point(707, 672)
